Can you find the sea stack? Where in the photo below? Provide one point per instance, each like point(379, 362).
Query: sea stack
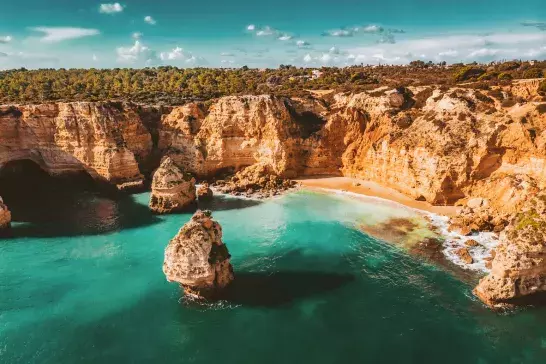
point(518, 273)
point(5, 216)
point(197, 259)
point(172, 189)
point(204, 193)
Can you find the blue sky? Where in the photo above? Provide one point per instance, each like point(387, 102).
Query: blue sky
point(233, 33)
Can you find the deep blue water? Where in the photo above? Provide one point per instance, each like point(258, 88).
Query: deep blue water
point(312, 289)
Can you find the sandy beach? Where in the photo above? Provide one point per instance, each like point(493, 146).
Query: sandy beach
point(373, 189)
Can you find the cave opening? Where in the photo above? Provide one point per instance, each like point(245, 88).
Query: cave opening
point(28, 190)
point(73, 204)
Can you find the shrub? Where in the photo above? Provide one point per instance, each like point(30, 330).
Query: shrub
point(542, 87)
point(533, 73)
point(467, 73)
point(504, 76)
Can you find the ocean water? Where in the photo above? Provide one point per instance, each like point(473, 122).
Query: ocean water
point(86, 286)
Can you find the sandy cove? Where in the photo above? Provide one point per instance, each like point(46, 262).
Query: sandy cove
point(372, 189)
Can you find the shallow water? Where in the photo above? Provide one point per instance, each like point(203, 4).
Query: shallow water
point(311, 288)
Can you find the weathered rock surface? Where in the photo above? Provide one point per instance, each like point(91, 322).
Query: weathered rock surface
point(257, 180)
point(518, 271)
point(197, 258)
point(5, 215)
point(172, 189)
point(106, 140)
point(204, 193)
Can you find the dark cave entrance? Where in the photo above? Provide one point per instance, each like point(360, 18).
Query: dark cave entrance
point(33, 195)
point(72, 205)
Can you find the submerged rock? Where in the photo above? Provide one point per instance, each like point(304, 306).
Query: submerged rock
point(518, 273)
point(198, 259)
point(172, 189)
point(204, 193)
point(5, 215)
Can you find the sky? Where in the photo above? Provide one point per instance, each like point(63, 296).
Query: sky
point(258, 33)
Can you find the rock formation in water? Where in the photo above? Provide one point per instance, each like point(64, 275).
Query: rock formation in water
point(204, 193)
point(5, 216)
point(518, 271)
point(197, 258)
point(172, 189)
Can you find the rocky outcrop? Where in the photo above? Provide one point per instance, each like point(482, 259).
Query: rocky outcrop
point(5, 216)
point(440, 151)
point(198, 259)
point(518, 271)
point(172, 189)
point(257, 181)
point(106, 140)
point(204, 193)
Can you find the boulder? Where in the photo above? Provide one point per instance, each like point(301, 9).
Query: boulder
point(204, 193)
point(172, 189)
point(465, 256)
point(197, 258)
point(5, 215)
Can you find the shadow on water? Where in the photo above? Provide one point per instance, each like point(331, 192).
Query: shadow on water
point(281, 288)
point(45, 206)
point(222, 203)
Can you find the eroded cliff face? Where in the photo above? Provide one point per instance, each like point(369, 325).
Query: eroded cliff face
point(105, 140)
point(440, 151)
point(519, 268)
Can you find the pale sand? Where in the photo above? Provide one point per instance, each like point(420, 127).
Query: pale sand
point(373, 189)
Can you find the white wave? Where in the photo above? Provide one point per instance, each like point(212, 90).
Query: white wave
point(452, 241)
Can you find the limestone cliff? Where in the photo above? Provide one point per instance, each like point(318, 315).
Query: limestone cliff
point(172, 188)
point(105, 140)
point(198, 259)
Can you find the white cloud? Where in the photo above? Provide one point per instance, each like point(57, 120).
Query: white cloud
point(339, 33)
point(334, 50)
point(483, 48)
point(284, 37)
point(372, 29)
point(111, 8)
point(59, 34)
point(137, 35)
point(137, 53)
point(227, 54)
point(307, 58)
point(483, 52)
point(326, 58)
point(179, 56)
point(95, 58)
point(5, 39)
point(148, 19)
point(251, 27)
point(265, 31)
point(176, 54)
point(448, 53)
point(302, 43)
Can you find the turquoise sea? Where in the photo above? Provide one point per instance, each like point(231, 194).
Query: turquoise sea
point(84, 284)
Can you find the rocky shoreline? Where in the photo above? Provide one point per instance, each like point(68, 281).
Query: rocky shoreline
point(446, 146)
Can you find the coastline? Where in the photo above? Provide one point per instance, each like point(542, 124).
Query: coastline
point(372, 189)
point(437, 215)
